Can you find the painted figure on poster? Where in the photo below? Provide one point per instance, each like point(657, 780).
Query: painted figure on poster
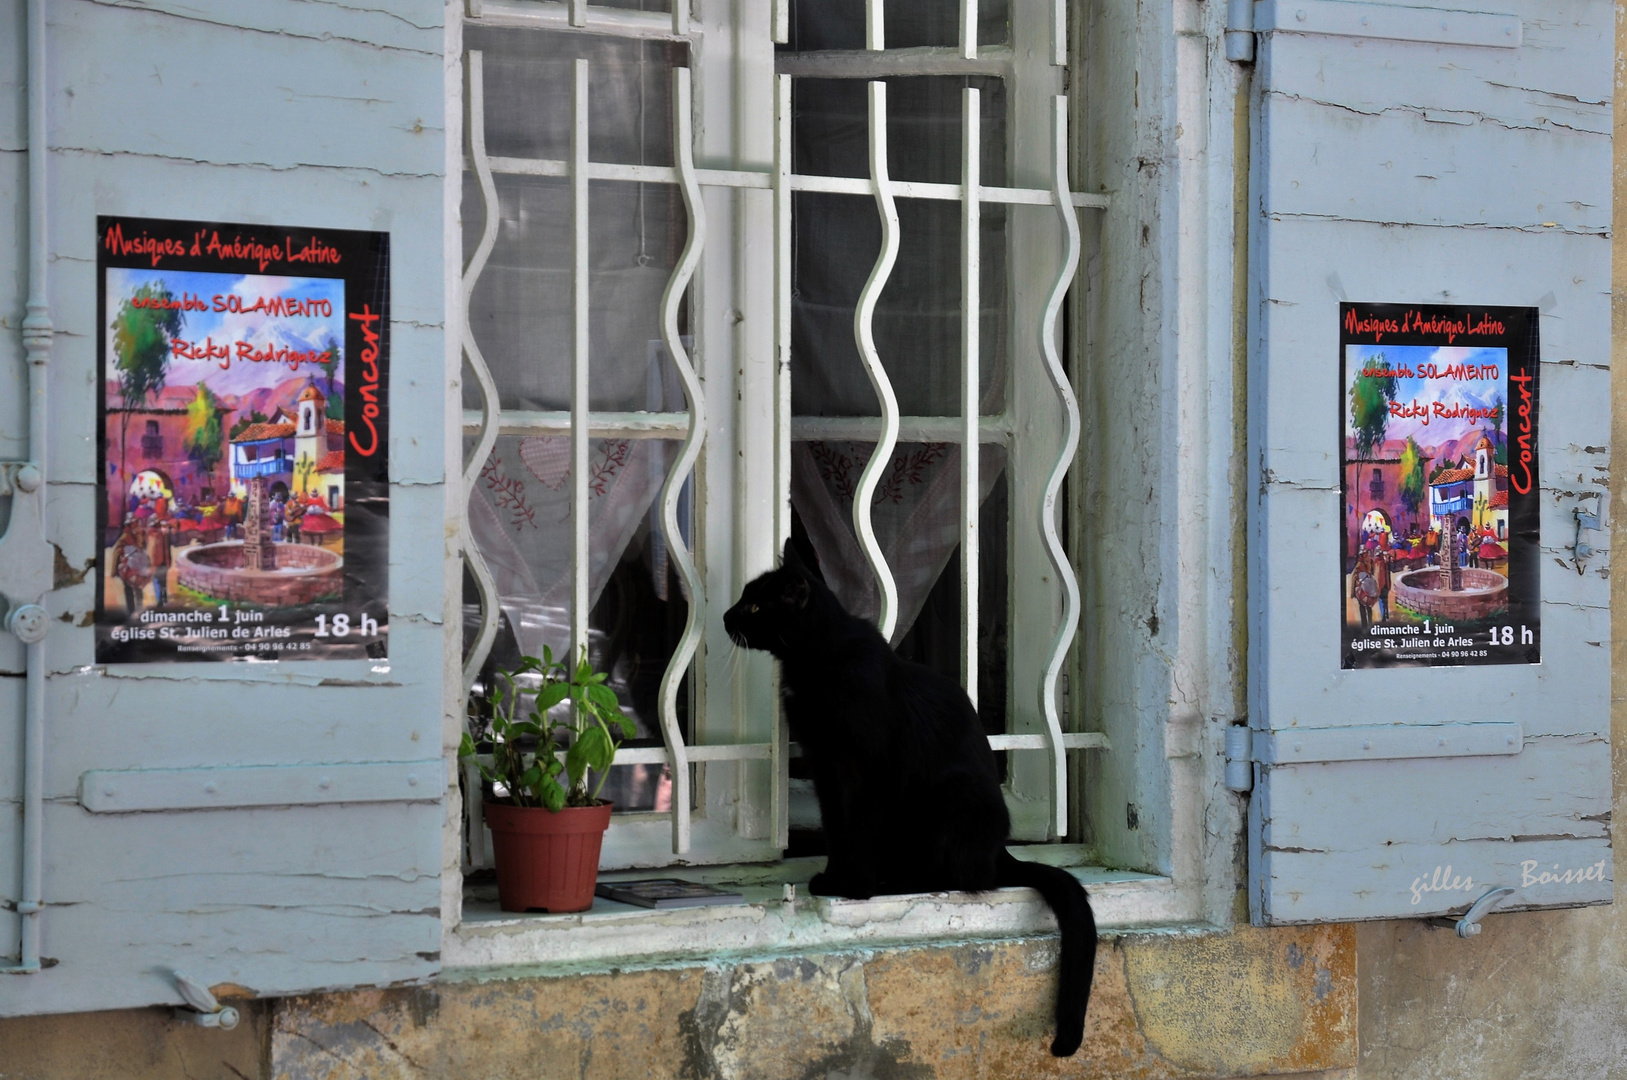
point(158, 557)
point(291, 519)
point(231, 516)
point(1364, 587)
point(130, 562)
point(1381, 577)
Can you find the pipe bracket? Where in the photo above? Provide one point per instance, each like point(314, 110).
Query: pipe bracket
point(26, 559)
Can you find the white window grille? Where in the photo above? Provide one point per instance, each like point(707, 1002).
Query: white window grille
point(741, 512)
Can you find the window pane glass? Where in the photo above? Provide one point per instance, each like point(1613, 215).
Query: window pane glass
point(839, 24)
point(520, 312)
point(915, 512)
point(528, 94)
point(918, 326)
point(837, 237)
point(934, 637)
point(633, 631)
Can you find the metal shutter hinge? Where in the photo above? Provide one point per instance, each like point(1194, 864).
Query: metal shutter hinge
point(1240, 31)
point(1239, 758)
point(25, 556)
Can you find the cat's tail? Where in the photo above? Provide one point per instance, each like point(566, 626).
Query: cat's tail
point(1067, 899)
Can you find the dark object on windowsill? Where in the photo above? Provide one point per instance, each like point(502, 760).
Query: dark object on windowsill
point(666, 893)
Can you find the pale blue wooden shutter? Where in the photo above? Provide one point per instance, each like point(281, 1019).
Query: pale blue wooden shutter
point(272, 826)
point(1417, 155)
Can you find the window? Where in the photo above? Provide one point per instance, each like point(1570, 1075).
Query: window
point(622, 226)
point(152, 442)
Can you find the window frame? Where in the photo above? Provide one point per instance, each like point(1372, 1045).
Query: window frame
point(1174, 891)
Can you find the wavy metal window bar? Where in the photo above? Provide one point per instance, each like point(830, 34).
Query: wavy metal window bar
point(682, 557)
point(1070, 443)
point(864, 331)
point(969, 430)
point(486, 434)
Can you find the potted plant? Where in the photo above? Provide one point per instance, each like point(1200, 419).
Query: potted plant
point(548, 827)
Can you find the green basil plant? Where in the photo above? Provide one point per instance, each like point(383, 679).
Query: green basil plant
point(521, 699)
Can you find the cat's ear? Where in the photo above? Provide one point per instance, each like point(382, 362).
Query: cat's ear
point(805, 560)
point(796, 593)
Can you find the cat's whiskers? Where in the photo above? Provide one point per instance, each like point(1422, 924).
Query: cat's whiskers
point(735, 654)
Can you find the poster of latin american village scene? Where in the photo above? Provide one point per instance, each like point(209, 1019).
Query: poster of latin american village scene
point(224, 468)
point(1439, 548)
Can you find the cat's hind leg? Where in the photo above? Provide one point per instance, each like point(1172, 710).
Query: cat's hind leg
point(961, 834)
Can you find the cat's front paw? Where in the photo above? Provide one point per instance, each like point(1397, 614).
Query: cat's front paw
point(821, 884)
point(824, 884)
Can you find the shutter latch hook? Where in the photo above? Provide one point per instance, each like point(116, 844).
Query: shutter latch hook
point(1469, 925)
point(202, 1007)
point(1582, 549)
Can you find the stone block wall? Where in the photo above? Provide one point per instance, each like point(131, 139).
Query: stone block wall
point(1166, 1006)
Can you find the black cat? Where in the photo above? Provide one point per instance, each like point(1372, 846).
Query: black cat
point(907, 784)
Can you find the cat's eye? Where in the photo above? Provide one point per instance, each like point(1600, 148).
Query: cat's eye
point(752, 609)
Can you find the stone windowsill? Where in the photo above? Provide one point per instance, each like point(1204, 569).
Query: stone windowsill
point(773, 919)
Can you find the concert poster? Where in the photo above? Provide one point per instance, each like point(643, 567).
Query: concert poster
point(243, 452)
point(1439, 560)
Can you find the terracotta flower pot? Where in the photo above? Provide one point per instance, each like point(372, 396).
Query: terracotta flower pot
point(547, 859)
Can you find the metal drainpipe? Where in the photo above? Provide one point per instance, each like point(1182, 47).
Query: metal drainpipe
point(1240, 49)
point(28, 577)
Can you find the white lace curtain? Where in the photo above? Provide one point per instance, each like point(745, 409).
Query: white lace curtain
point(521, 521)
